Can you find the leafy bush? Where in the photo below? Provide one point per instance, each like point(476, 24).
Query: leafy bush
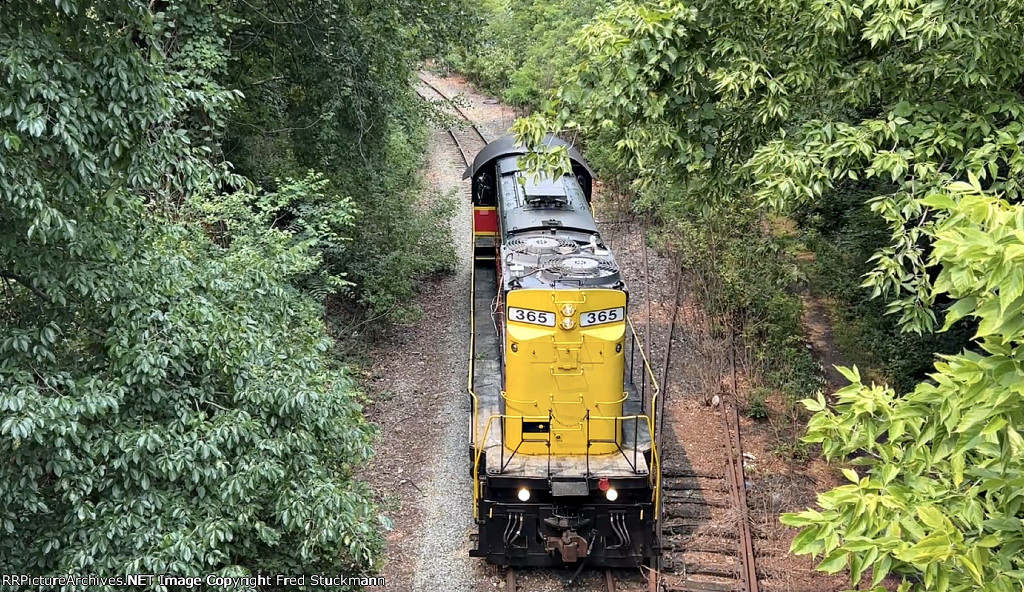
point(168, 401)
point(400, 240)
point(757, 403)
point(938, 464)
point(189, 433)
point(742, 273)
point(343, 106)
point(520, 51)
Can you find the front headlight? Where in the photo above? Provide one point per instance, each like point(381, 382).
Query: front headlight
point(524, 495)
point(611, 494)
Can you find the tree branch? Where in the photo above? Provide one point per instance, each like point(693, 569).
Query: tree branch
point(24, 281)
point(10, 275)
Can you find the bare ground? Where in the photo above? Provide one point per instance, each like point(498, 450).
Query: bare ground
point(418, 385)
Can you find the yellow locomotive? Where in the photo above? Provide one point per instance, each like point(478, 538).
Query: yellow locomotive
point(564, 462)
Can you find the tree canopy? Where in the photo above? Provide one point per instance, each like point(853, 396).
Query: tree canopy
point(184, 184)
point(720, 106)
point(170, 401)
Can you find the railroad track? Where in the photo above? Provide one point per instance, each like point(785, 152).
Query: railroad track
point(706, 538)
point(511, 584)
point(704, 528)
point(706, 541)
point(462, 145)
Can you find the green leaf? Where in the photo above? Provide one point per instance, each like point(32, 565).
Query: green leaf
point(932, 518)
point(834, 562)
point(939, 201)
point(959, 310)
point(851, 374)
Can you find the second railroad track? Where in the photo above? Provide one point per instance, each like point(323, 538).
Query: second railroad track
point(467, 143)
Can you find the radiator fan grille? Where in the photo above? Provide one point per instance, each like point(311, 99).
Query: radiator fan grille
point(542, 245)
point(583, 266)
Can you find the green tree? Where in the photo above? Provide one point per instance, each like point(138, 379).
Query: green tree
point(327, 87)
point(518, 48)
point(937, 498)
point(720, 105)
point(167, 404)
point(714, 99)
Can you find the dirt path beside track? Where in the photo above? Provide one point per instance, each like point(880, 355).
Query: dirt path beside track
point(418, 384)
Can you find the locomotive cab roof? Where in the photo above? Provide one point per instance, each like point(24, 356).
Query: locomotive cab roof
point(507, 146)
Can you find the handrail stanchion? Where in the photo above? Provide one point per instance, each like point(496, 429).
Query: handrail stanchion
point(643, 393)
point(501, 442)
point(549, 443)
point(633, 355)
point(588, 443)
point(636, 431)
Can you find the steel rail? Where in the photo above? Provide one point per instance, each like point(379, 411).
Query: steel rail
point(510, 574)
point(685, 491)
point(471, 123)
point(474, 415)
point(678, 496)
point(748, 561)
point(609, 581)
point(451, 132)
point(653, 576)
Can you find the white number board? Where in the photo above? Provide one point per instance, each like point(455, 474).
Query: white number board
point(600, 317)
point(534, 317)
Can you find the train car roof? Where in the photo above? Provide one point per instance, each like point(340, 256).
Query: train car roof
point(507, 145)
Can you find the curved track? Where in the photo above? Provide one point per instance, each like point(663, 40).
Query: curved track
point(478, 137)
point(462, 113)
point(465, 147)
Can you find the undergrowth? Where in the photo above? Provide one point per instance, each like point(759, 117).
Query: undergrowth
point(843, 233)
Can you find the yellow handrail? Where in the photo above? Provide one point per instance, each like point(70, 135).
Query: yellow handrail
point(647, 364)
point(654, 475)
point(652, 418)
point(478, 442)
point(625, 395)
point(479, 451)
point(472, 339)
point(519, 401)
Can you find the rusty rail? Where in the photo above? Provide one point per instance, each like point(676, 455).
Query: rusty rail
point(451, 133)
point(738, 488)
point(448, 99)
point(689, 500)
